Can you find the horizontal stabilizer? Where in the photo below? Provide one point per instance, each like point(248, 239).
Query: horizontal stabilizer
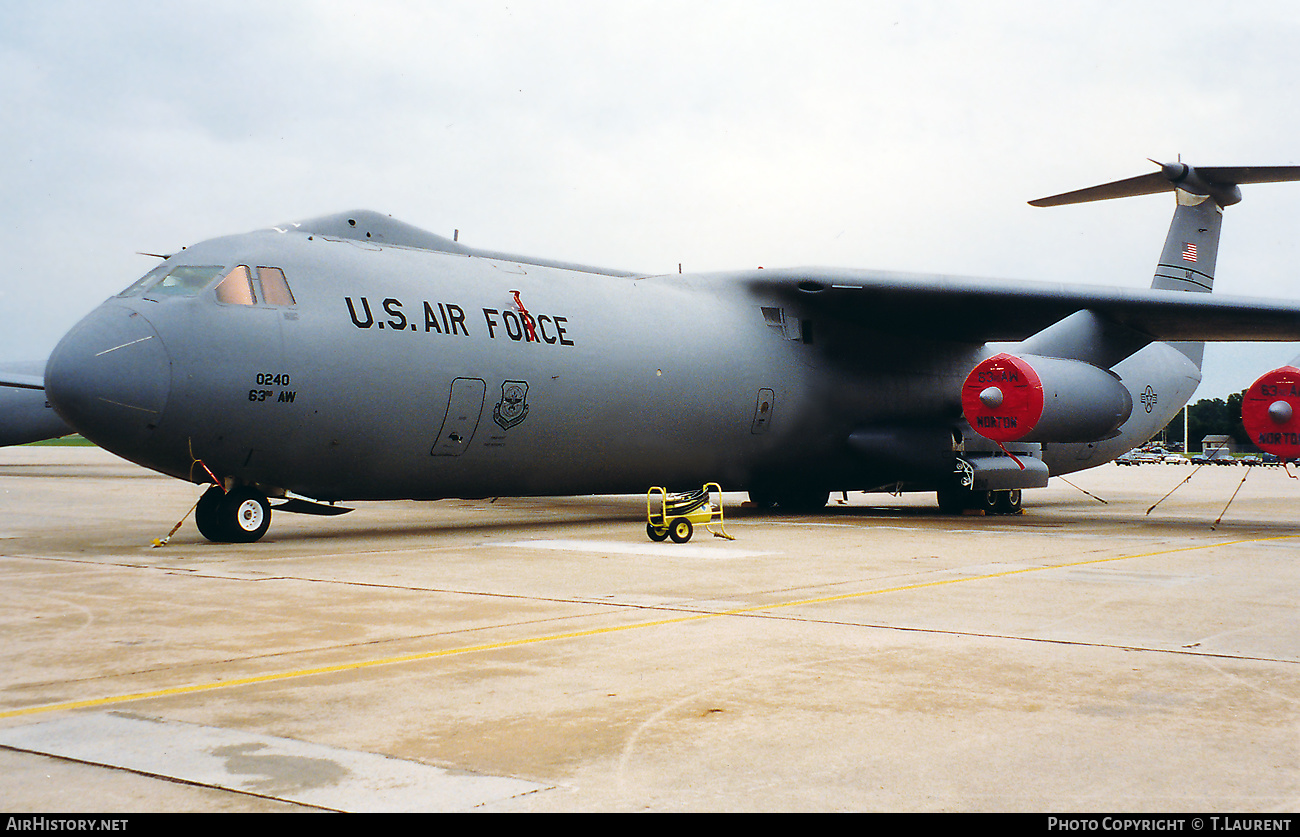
point(1219, 182)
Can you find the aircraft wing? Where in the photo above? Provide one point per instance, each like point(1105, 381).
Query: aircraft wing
point(976, 310)
point(17, 380)
point(25, 416)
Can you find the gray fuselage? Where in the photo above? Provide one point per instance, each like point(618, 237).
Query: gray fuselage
point(387, 352)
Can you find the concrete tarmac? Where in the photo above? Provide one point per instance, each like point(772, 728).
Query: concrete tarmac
point(544, 655)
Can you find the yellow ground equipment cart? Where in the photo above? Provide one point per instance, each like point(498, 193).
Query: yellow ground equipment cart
point(676, 515)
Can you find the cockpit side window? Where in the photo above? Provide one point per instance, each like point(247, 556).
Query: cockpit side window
point(237, 287)
point(166, 280)
point(244, 287)
point(275, 288)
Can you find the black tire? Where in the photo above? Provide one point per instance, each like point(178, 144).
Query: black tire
point(1009, 501)
point(245, 515)
point(987, 501)
point(762, 498)
point(656, 535)
point(802, 500)
point(953, 500)
point(680, 530)
point(208, 517)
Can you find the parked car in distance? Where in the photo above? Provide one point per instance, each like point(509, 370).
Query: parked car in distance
point(1138, 457)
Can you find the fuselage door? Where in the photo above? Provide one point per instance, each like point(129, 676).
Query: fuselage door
point(463, 411)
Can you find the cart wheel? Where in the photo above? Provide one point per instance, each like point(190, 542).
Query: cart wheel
point(656, 534)
point(681, 530)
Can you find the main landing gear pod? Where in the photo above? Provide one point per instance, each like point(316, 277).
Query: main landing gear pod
point(1007, 398)
point(1270, 412)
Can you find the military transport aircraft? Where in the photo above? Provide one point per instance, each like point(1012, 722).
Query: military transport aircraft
point(355, 357)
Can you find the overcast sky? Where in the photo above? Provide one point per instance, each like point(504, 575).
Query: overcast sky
point(900, 135)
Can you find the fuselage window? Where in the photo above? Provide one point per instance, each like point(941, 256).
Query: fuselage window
point(275, 288)
point(237, 287)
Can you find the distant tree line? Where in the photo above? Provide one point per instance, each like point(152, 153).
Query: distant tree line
point(1210, 417)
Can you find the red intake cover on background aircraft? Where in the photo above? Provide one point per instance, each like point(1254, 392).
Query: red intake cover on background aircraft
point(1270, 412)
point(1002, 398)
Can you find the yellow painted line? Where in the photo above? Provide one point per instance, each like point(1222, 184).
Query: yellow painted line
point(515, 643)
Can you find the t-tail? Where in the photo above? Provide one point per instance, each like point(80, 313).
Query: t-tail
point(1192, 246)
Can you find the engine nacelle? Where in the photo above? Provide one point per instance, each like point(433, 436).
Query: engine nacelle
point(1270, 412)
point(1043, 399)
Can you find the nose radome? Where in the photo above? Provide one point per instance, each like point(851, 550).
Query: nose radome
point(109, 378)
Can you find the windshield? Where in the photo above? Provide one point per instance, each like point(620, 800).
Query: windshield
point(166, 280)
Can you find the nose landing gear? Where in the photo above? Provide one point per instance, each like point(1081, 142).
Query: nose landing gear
point(241, 515)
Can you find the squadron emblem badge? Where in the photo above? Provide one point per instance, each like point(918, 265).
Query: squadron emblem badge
point(513, 406)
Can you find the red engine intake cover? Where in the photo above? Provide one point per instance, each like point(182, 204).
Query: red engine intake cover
point(1270, 412)
point(1002, 398)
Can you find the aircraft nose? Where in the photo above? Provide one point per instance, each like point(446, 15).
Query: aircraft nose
point(109, 378)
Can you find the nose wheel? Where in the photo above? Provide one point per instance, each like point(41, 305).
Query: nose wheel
point(241, 515)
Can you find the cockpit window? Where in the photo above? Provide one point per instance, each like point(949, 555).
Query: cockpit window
point(166, 280)
point(186, 280)
point(244, 287)
point(275, 288)
point(237, 287)
point(145, 281)
point(241, 285)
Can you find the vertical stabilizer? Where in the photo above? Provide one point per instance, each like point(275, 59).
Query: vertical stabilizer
point(1192, 246)
point(1190, 253)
